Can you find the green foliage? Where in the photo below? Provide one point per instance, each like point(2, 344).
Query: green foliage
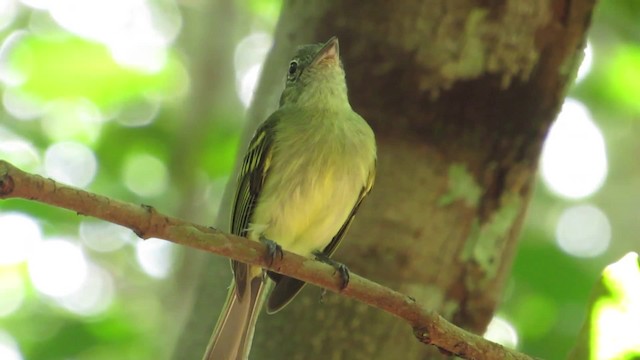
point(267, 9)
point(548, 285)
point(615, 85)
point(79, 93)
point(71, 67)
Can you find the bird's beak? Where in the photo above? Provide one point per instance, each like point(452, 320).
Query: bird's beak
point(329, 53)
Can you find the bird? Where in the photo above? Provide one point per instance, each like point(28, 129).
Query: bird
point(305, 173)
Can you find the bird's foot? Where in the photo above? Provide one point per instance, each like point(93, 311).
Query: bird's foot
point(273, 249)
point(340, 267)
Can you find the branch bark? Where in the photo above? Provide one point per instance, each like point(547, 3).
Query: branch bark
point(146, 222)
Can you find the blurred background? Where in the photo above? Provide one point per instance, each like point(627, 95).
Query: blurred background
point(131, 99)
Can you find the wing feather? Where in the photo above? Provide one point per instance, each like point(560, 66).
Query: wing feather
point(253, 173)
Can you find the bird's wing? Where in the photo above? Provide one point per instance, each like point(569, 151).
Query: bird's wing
point(254, 171)
point(287, 288)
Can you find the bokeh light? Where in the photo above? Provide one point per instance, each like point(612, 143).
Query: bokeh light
point(587, 62)
point(12, 291)
point(8, 347)
point(616, 312)
point(138, 113)
point(42, 24)
point(57, 267)
point(22, 106)
point(249, 56)
point(94, 295)
point(103, 236)
point(20, 236)
point(8, 12)
point(8, 74)
point(36, 4)
point(138, 32)
point(583, 231)
point(18, 151)
point(71, 163)
point(248, 84)
point(145, 175)
point(574, 159)
point(251, 51)
point(155, 257)
point(67, 119)
point(501, 331)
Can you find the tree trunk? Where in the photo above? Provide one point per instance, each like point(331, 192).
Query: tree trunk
point(211, 97)
point(460, 95)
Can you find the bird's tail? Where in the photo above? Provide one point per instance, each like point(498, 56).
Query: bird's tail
point(232, 336)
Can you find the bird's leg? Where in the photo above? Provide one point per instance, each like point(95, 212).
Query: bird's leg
point(323, 293)
point(273, 249)
point(340, 267)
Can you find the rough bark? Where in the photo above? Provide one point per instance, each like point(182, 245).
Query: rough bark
point(460, 95)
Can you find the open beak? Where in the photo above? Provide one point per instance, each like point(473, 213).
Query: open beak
point(329, 52)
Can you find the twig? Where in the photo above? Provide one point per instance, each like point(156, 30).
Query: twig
point(146, 222)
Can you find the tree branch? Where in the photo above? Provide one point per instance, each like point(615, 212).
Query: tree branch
point(146, 222)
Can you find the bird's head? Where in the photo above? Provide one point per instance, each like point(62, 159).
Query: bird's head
point(315, 77)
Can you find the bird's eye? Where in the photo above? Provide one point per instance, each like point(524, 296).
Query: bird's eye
point(293, 67)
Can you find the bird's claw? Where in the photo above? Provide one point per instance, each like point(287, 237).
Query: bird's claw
point(340, 267)
point(273, 249)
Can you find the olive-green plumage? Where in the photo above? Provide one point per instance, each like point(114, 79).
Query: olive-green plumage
point(306, 171)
